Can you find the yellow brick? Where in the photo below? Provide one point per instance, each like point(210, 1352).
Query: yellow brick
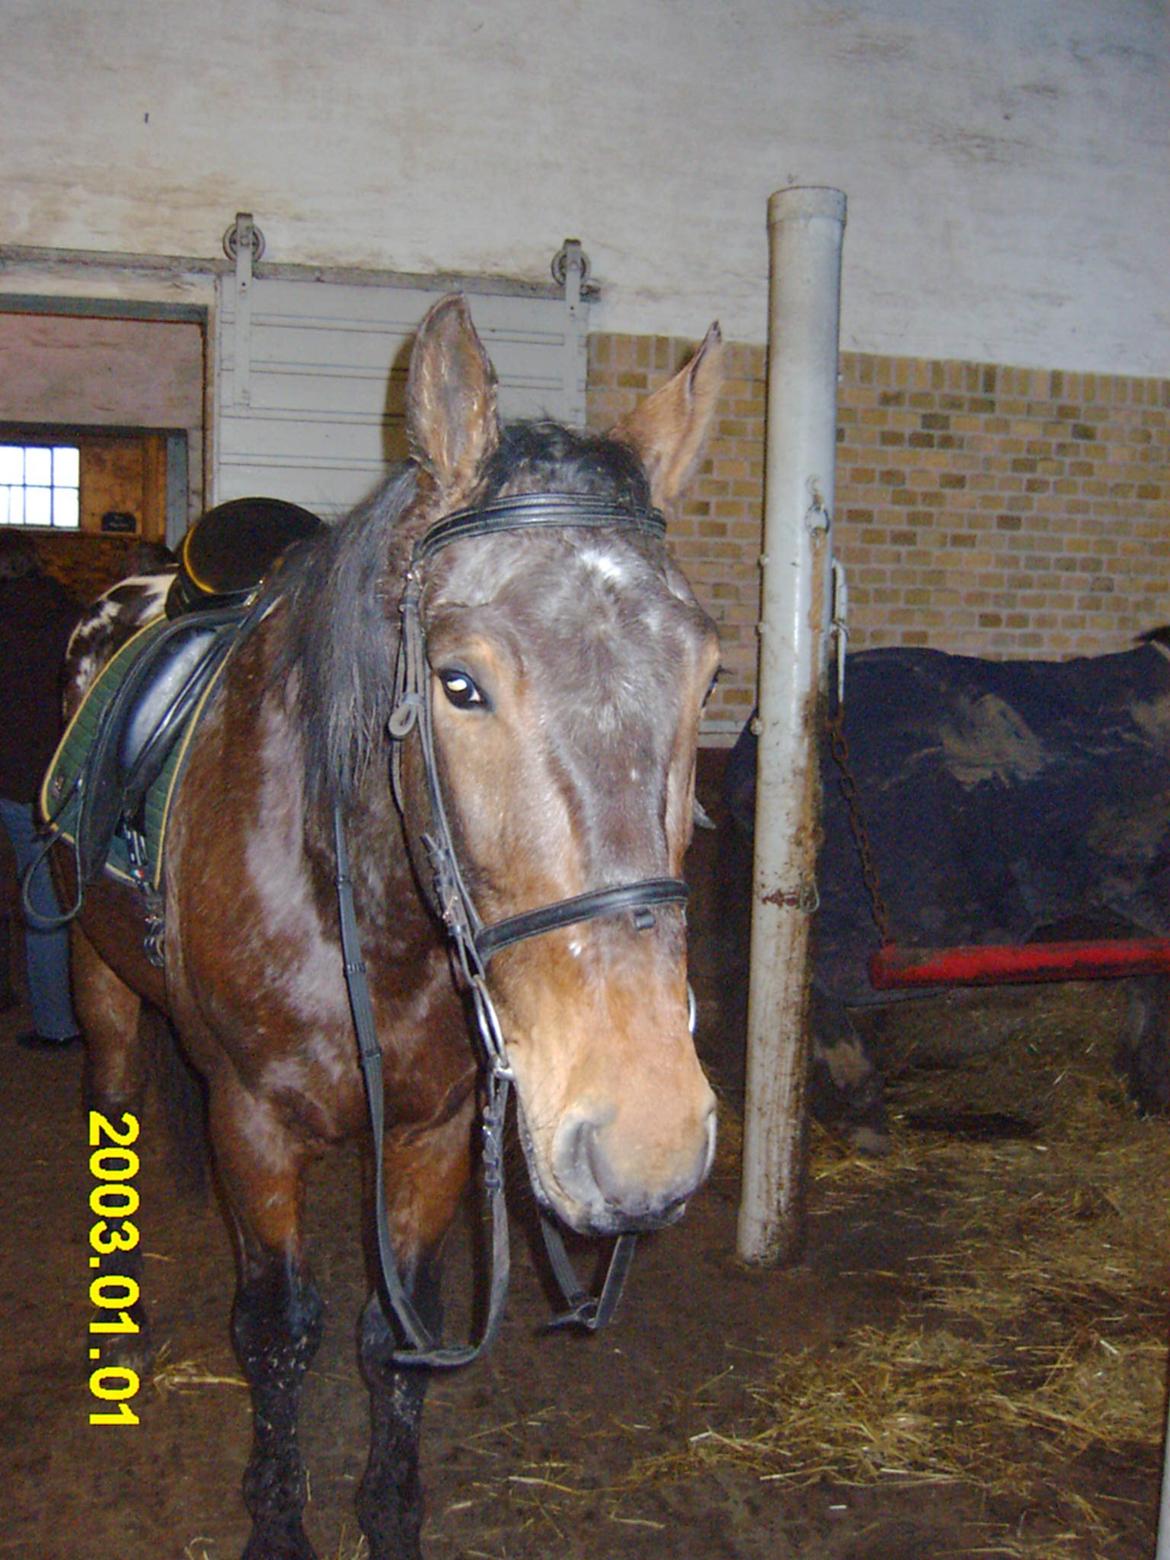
point(932, 456)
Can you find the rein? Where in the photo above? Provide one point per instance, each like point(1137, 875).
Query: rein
point(474, 942)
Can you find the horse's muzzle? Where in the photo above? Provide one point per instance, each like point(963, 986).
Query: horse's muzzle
point(600, 1194)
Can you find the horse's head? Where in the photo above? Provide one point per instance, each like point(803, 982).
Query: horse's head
point(568, 668)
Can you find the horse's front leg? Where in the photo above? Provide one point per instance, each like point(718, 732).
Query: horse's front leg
point(425, 1175)
point(277, 1318)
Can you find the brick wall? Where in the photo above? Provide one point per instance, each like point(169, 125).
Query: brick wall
point(989, 510)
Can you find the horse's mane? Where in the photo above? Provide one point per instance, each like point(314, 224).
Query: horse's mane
point(341, 592)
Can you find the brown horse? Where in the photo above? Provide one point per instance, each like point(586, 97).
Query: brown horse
point(565, 669)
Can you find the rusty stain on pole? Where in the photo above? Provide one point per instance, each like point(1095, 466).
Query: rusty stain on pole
point(805, 232)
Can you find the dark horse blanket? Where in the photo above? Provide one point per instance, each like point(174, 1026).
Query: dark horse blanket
point(1000, 797)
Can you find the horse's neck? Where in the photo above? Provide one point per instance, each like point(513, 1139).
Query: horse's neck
point(386, 893)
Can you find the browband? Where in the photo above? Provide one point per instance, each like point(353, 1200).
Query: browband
point(537, 509)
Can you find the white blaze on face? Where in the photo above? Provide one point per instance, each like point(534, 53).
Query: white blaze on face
point(611, 568)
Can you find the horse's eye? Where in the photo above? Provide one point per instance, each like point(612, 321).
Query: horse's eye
point(461, 691)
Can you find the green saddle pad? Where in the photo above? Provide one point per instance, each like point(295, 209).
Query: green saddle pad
point(60, 791)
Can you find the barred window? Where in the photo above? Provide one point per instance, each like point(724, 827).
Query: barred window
point(40, 485)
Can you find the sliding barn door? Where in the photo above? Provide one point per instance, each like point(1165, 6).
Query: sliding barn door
point(311, 377)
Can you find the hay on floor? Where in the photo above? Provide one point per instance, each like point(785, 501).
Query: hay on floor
point(1039, 1339)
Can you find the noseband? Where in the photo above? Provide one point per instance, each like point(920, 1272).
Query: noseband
point(474, 941)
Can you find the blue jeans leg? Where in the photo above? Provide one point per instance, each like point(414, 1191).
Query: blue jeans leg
point(46, 952)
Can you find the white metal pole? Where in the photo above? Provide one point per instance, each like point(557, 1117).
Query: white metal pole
point(1162, 1552)
point(805, 226)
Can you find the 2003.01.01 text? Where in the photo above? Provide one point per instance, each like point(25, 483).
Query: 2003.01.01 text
point(113, 1165)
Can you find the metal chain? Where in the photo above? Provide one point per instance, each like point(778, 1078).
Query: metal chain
point(869, 871)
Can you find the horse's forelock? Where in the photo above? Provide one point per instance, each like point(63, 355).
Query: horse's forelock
point(538, 457)
point(534, 457)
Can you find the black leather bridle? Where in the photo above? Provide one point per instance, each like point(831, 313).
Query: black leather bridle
point(474, 942)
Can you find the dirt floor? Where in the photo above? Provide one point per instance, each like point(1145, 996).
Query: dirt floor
point(552, 1446)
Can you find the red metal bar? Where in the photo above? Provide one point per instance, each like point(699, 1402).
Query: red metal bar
point(893, 967)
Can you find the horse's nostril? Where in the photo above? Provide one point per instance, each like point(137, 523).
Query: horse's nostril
point(582, 1165)
point(579, 1154)
point(712, 1138)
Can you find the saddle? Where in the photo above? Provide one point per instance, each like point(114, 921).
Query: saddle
point(109, 786)
point(231, 548)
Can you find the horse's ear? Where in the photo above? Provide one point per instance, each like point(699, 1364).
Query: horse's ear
point(667, 429)
point(452, 424)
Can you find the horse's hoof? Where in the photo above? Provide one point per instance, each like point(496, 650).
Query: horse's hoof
point(129, 1351)
point(405, 1549)
point(284, 1542)
point(394, 1541)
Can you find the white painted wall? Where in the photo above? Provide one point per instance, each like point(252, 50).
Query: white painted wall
point(1007, 162)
